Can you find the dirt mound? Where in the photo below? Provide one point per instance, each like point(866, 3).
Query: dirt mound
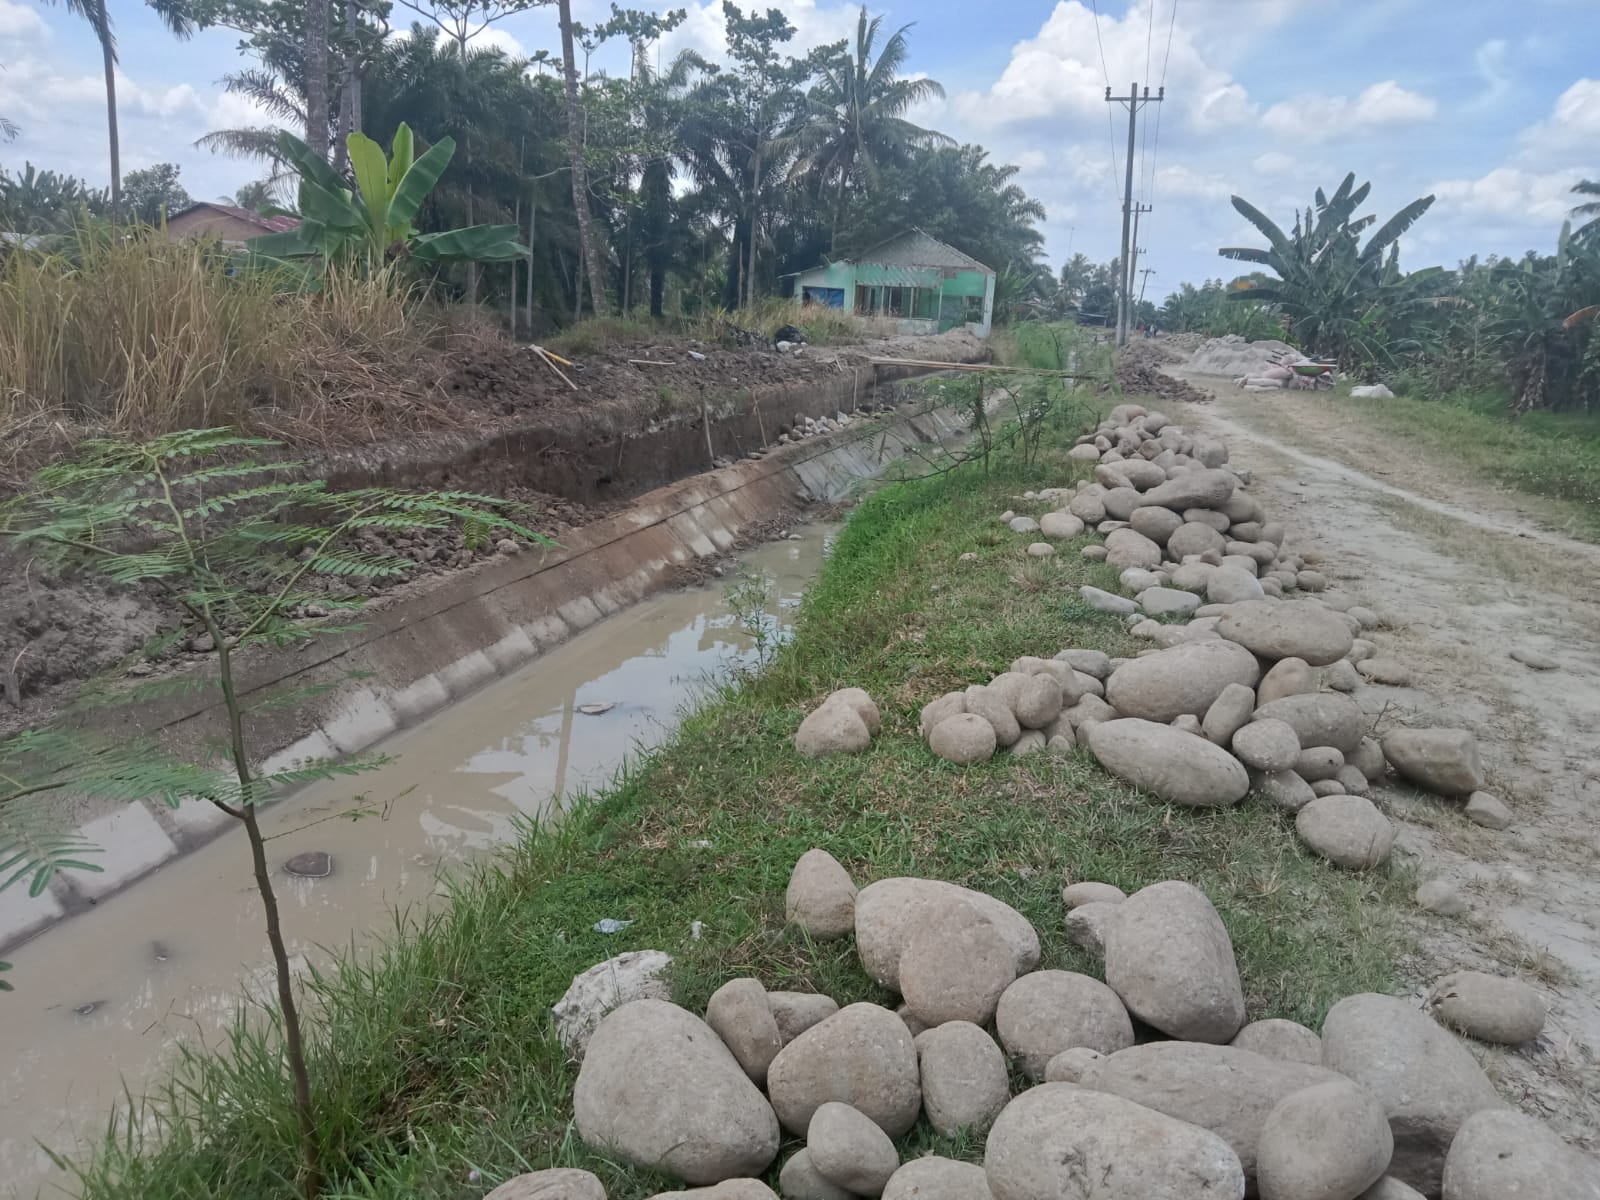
point(1139, 372)
point(1235, 358)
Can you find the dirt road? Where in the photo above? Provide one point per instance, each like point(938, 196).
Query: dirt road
point(1463, 575)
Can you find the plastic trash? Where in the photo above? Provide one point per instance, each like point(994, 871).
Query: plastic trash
point(610, 925)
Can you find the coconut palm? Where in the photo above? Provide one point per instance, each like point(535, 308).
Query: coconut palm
point(1590, 209)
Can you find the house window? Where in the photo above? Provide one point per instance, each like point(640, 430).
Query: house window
point(894, 301)
point(972, 310)
point(863, 300)
point(927, 304)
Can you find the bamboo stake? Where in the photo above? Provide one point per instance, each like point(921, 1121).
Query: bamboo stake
point(550, 361)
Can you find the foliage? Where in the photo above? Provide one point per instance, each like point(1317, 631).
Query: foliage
point(154, 193)
point(1211, 309)
point(35, 201)
point(1589, 208)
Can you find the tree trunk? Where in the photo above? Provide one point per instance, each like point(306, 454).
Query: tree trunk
point(580, 174)
point(755, 220)
point(108, 55)
point(317, 76)
point(349, 88)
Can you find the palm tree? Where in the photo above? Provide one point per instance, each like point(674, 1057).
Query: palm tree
point(1589, 209)
point(854, 116)
point(580, 172)
point(663, 112)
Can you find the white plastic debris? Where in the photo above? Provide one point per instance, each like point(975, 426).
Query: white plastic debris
point(610, 925)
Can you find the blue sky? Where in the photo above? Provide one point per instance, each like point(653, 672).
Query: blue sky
point(1493, 107)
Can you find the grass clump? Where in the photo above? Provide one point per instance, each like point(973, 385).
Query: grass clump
point(436, 1069)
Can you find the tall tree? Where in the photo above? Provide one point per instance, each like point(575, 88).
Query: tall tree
point(154, 193)
point(579, 169)
point(663, 100)
point(316, 66)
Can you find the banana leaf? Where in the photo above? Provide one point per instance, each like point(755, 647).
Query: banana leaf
point(474, 243)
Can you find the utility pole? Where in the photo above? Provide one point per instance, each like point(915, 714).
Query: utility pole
point(1147, 272)
point(1134, 102)
point(1134, 250)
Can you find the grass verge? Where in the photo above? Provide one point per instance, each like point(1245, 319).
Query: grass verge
point(436, 1070)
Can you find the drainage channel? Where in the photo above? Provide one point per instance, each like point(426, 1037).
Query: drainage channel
point(104, 999)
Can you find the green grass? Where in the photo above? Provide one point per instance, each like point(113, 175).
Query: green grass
point(436, 1070)
point(1551, 455)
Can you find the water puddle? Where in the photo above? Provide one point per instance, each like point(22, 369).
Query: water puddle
point(103, 999)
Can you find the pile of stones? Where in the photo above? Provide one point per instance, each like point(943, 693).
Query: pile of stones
point(1148, 1084)
point(808, 427)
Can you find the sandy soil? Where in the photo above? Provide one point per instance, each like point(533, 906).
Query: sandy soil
point(1462, 575)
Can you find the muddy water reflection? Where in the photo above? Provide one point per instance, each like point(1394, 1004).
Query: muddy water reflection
point(105, 997)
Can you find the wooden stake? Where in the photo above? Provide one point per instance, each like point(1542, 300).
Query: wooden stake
point(705, 416)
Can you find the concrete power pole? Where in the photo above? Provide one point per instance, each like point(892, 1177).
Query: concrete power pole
point(1134, 250)
point(1146, 273)
point(1134, 102)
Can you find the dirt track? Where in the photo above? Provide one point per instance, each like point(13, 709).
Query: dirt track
point(1463, 575)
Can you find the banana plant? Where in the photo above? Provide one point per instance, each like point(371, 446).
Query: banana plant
point(374, 222)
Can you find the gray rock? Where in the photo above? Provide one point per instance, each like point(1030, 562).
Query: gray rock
point(862, 1056)
point(1277, 630)
point(834, 728)
point(964, 1080)
point(1209, 517)
point(1361, 650)
point(1501, 1154)
point(1069, 1065)
point(1193, 576)
point(849, 1150)
point(1040, 550)
point(1107, 602)
point(1268, 745)
point(1491, 1008)
point(1188, 723)
point(963, 739)
point(1346, 830)
point(1192, 537)
point(1091, 662)
point(993, 704)
point(1440, 896)
point(1368, 759)
point(1087, 508)
point(1319, 719)
point(1086, 712)
point(1386, 671)
point(1327, 787)
point(1228, 1091)
point(1031, 742)
point(955, 965)
point(889, 912)
point(1087, 924)
point(1060, 526)
point(800, 1180)
point(1488, 810)
point(1094, 553)
point(1441, 760)
point(1533, 659)
point(1284, 789)
point(1352, 781)
point(866, 707)
point(604, 987)
point(1156, 523)
point(1061, 1142)
point(935, 1178)
point(1090, 892)
point(1168, 602)
point(1228, 714)
point(1169, 958)
point(1287, 1041)
point(559, 1184)
point(1184, 679)
point(1390, 1188)
point(1047, 1012)
point(1177, 767)
point(658, 1089)
point(1232, 585)
point(1341, 676)
point(1312, 581)
point(1328, 1142)
point(1039, 701)
point(1120, 502)
point(1194, 489)
point(1126, 548)
point(796, 1012)
point(821, 897)
point(1286, 677)
point(739, 1014)
point(1023, 525)
point(948, 705)
point(1427, 1081)
point(1317, 763)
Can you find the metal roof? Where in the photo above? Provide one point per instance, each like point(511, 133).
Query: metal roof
point(914, 248)
point(277, 224)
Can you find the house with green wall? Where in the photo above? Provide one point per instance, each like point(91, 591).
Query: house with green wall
point(914, 280)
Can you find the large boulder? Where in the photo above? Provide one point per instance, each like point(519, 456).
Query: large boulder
point(1346, 830)
point(889, 911)
point(1267, 745)
point(862, 1056)
point(963, 738)
point(1319, 719)
point(1441, 760)
point(658, 1089)
point(955, 965)
point(1176, 766)
point(1491, 1008)
point(821, 898)
point(935, 1178)
point(1327, 1142)
point(836, 727)
point(1046, 1012)
point(741, 1016)
point(1120, 502)
point(849, 1150)
point(1501, 1154)
point(1276, 630)
point(1062, 1142)
point(1426, 1080)
point(964, 1080)
point(1185, 679)
point(1194, 489)
point(1219, 1088)
point(1169, 958)
point(1193, 538)
point(605, 987)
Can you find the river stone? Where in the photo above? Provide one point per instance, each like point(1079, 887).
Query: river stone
point(1107, 602)
point(964, 1080)
point(1286, 677)
point(1352, 781)
point(1268, 745)
point(948, 705)
point(1086, 507)
point(1319, 719)
point(1502, 1154)
point(834, 728)
point(800, 1180)
point(1426, 1080)
point(604, 987)
point(1228, 1091)
point(1287, 1041)
point(1187, 723)
point(1086, 925)
point(1040, 550)
point(1032, 741)
point(1156, 523)
point(821, 898)
point(866, 707)
point(1177, 767)
point(1194, 489)
point(796, 1012)
point(963, 739)
point(935, 1178)
point(1023, 525)
point(1168, 602)
point(862, 1056)
point(1232, 585)
point(1060, 526)
point(1368, 759)
point(1169, 958)
point(1047, 1012)
point(1277, 631)
point(1442, 760)
point(849, 1150)
point(1327, 787)
point(1090, 662)
point(740, 1015)
point(1228, 714)
point(1285, 789)
point(1126, 548)
point(1089, 891)
point(1390, 1188)
point(310, 864)
point(1346, 830)
point(1070, 1064)
point(1193, 577)
point(1491, 1008)
point(993, 704)
point(1039, 701)
point(1317, 763)
point(954, 966)
point(658, 1089)
point(1341, 676)
point(889, 911)
point(1192, 537)
point(1328, 1142)
point(1440, 896)
point(562, 1183)
point(1533, 659)
point(1062, 1142)
point(1488, 810)
point(1185, 679)
point(728, 1189)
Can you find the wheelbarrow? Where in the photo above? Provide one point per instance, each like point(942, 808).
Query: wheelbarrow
point(1312, 374)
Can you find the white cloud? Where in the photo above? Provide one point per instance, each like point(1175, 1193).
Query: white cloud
point(1274, 162)
point(21, 23)
point(1179, 180)
point(1313, 118)
point(1492, 61)
point(1573, 123)
point(1512, 193)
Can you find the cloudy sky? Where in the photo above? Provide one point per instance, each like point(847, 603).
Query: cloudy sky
point(1494, 107)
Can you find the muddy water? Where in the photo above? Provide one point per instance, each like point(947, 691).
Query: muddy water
point(104, 998)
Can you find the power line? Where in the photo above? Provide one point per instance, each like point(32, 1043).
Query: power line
point(1111, 129)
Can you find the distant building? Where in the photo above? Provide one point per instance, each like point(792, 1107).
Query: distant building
point(232, 224)
point(915, 280)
